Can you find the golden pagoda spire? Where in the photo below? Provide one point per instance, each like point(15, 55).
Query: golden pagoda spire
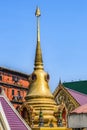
point(38, 57)
point(39, 96)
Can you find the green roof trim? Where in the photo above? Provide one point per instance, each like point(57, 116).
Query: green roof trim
point(80, 86)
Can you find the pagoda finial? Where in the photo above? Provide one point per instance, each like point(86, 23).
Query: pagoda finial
point(37, 13)
point(38, 57)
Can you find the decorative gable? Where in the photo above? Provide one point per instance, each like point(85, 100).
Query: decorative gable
point(61, 94)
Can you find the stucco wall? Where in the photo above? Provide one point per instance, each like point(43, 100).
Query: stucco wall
point(77, 120)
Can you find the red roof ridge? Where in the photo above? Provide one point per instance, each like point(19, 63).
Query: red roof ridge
point(80, 109)
point(12, 70)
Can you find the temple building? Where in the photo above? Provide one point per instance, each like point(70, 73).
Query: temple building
point(72, 94)
point(15, 85)
point(40, 108)
point(77, 119)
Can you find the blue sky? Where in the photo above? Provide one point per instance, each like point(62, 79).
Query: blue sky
point(63, 25)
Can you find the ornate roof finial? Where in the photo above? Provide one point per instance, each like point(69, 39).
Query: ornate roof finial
point(60, 81)
point(38, 57)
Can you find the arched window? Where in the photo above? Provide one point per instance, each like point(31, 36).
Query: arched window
point(24, 113)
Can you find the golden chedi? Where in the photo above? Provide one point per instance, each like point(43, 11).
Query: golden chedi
point(39, 106)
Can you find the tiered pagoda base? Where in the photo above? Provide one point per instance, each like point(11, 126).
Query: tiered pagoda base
point(52, 128)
